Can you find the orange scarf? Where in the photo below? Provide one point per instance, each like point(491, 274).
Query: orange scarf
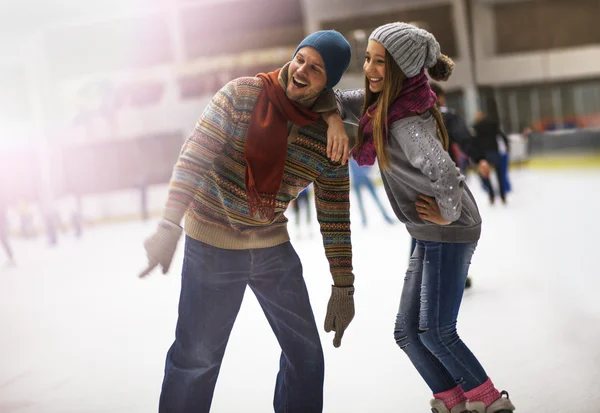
point(266, 143)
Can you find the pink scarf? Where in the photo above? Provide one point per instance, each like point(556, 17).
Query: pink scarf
point(415, 97)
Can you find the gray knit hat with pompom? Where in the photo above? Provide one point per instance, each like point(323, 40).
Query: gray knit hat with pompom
point(413, 49)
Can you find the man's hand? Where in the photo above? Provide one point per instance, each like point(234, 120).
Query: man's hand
point(340, 312)
point(429, 210)
point(161, 246)
point(484, 168)
point(338, 143)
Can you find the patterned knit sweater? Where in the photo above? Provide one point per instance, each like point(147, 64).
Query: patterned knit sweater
point(208, 185)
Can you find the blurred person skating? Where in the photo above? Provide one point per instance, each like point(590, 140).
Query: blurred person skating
point(77, 217)
point(401, 127)
point(487, 130)
point(4, 233)
point(51, 222)
point(459, 135)
point(504, 156)
point(360, 179)
point(258, 144)
point(302, 202)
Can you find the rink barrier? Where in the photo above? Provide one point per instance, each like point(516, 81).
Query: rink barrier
point(108, 175)
point(567, 142)
point(578, 148)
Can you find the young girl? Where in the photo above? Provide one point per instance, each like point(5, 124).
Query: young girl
point(400, 126)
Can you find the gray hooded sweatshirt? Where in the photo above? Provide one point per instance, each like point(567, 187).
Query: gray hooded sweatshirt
point(420, 165)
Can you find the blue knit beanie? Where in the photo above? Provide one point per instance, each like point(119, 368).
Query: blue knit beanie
point(334, 50)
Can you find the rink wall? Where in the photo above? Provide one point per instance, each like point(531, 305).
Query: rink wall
point(578, 148)
point(576, 141)
point(108, 181)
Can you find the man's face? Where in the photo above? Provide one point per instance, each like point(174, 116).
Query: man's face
point(306, 77)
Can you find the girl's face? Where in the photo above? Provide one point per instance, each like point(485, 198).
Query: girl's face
point(374, 66)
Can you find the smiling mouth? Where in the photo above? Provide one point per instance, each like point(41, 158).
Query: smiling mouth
point(298, 83)
point(375, 79)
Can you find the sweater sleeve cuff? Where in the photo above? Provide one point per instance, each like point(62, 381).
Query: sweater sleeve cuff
point(173, 216)
point(343, 280)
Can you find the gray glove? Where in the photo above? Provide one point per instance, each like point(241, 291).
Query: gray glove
point(161, 246)
point(340, 312)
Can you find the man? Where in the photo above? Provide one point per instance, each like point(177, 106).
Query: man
point(258, 144)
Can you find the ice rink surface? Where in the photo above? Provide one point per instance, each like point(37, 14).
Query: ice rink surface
point(82, 334)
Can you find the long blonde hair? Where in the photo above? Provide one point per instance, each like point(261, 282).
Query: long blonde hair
point(392, 86)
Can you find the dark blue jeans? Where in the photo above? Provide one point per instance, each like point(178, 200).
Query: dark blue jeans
point(493, 159)
point(426, 321)
point(504, 160)
point(212, 287)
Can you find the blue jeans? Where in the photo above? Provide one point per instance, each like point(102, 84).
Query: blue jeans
point(493, 159)
point(212, 287)
point(426, 321)
point(504, 160)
